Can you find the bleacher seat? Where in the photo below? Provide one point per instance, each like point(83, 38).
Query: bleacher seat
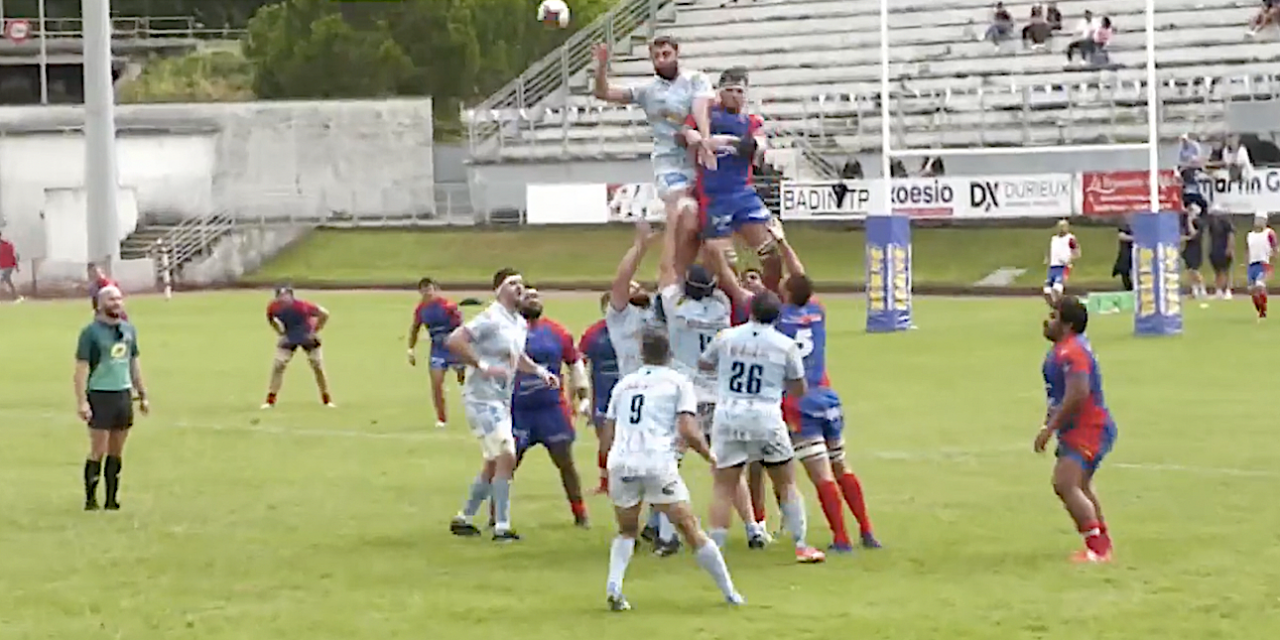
point(816, 76)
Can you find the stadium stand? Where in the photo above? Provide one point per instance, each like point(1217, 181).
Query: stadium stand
point(816, 77)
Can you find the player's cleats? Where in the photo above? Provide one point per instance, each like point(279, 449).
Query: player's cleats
point(440, 425)
point(619, 603)
point(666, 549)
point(505, 536)
point(649, 534)
point(460, 527)
point(869, 541)
point(1087, 556)
point(111, 505)
point(840, 548)
point(758, 541)
point(266, 405)
point(809, 555)
point(90, 505)
point(736, 600)
point(582, 522)
point(331, 405)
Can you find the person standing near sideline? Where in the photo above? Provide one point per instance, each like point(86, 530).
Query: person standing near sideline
point(1123, 268)
point(8, 267)
point(107, 374)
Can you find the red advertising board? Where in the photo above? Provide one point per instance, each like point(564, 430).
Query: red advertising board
point(1115, 193)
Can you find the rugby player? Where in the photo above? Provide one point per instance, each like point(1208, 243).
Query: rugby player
point(9, 265)
point(817, 418)
point(1078, 416)
point(596, 347)
point(440, 316)
point(673, 95)
point(492, 345)
point(540, 413)
point(1261, 242)
point(1195, 207)
point(298, 324)
point(755, 364)
point(1222, 250)
point(98, 280)
point(649, 411)
point(1063, 250)
point(106, 377)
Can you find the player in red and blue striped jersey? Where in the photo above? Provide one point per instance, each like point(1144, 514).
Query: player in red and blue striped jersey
point(596, 347)
point(1077, 414)
point(440, 316)
point(540, 414)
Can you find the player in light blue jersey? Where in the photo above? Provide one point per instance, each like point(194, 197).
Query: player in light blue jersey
point(672, 96)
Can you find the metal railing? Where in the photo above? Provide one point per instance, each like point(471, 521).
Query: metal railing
point(138, 28)
point(191, 238)
point(551, 76)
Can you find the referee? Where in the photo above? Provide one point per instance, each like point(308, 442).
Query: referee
point(107, 371)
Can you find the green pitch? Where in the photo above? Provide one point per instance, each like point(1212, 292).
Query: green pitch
point(307, 523)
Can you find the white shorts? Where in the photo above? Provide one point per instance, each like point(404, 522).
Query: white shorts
point(627, 491)
point(743, 433)
point(491, 424)
point(669, 183)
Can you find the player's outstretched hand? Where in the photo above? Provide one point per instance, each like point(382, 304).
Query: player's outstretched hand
point(707, 154)
point(600, 52)
point(550, 379)
point(85, 411)
point(774, 227)
point(1042, 439)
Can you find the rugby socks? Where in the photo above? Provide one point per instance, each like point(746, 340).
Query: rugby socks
point(852, 490)
point(653, 520)
point(579, 509)
point(718, 536)
point(711, 561)
point(758, 510)
point(619, 557)
point(325, 398)
point(793, 519)
point(1260, 303)
point(833, 509)
point(1094, 538)
point(271, 398)
point(501, 504)
point(92, 471)
point(666, 530)
point(479, 493)
point(111, 469)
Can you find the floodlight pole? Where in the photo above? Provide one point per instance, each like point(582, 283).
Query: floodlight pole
point(103, 221)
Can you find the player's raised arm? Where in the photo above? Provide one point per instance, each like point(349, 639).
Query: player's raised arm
point(620, 291)
point(603, 90)
point(790, 259)
point(704, 97)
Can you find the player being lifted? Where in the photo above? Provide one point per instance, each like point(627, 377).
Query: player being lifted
point(1261, 242)
point(1078, 416)
point(440, 316)
point(492, 345)
point(596, 347)
point(650, 410)
point(1063, 250)
point(817, 418)
point(754, 365)
point(298, 324)
point(540, 413)
point(673, 95)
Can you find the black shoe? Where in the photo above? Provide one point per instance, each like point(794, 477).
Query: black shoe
point(582, 523)
point(460, 527)
point(91, 505)
point(112, 506)
point(506, 536)
point(756, 542)
point(666, 549)
point(649, 534)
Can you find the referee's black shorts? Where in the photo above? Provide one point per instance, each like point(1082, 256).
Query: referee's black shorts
point(112, 410)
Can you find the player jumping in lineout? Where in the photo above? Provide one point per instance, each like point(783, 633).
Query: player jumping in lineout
point(297, 324)
point(440, 316)
point(1261, 242)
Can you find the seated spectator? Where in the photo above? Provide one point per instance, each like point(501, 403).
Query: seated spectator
point(852, 170)
point(1054, 17)
point(897, 169)
point(1101, 37)
point(932, 166)
point(1083, 42)
point(1001, 28)
point(1267, 16)
point(1036, 34)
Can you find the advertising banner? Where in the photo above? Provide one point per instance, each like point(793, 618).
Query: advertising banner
point(1157, 266)
point(635, 200)
point(927, 197)
point(1030, 196)
point(1118, 193)
point(888, 273)
point(1259, 192)
point(836, 200)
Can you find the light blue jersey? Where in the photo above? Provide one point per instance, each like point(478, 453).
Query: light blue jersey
point(666, 104)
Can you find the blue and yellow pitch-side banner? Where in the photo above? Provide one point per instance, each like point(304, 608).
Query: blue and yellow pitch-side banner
point(888, 273)
point(1157, 266)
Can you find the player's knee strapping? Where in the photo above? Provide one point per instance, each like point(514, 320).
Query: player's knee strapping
point(835, 452)
point(806, 451)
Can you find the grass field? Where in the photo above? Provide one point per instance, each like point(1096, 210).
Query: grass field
point(307, 523)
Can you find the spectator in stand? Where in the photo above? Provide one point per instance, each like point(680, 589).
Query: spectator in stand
point(932, 166)
point(1235, 159)
point(8, 267)
point(897, 169)
point(1036, 34)
point(1267, 16)
point(1053, 17)
point(1190, 154)
point(1001, 28)
point(852, 170)
point(1083, 42)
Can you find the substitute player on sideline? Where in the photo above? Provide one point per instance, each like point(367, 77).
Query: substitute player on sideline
point(1063, 251)
point(297, 324)
point(1261, 242)
point(1078, 416)
point(539, 413)
point(440, 316)
point(107, 374)
point(596, 347)
point(492, 347)
point(650, 409)
point(754, 365)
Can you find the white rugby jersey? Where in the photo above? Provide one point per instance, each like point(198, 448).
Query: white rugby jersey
point(691, 326)
point(498, 337)
point(1061, 250)
point(1262, 244)
point(753, 363)
point(624, 333)
point(644, 407)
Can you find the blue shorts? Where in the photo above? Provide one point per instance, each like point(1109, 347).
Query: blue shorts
point(1089, 455)
point(668, 182)
point(1057, 275)
point(821, 416)
point(1257, 273)
point(443, 358)
point(542, 425)
point(724, 214)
